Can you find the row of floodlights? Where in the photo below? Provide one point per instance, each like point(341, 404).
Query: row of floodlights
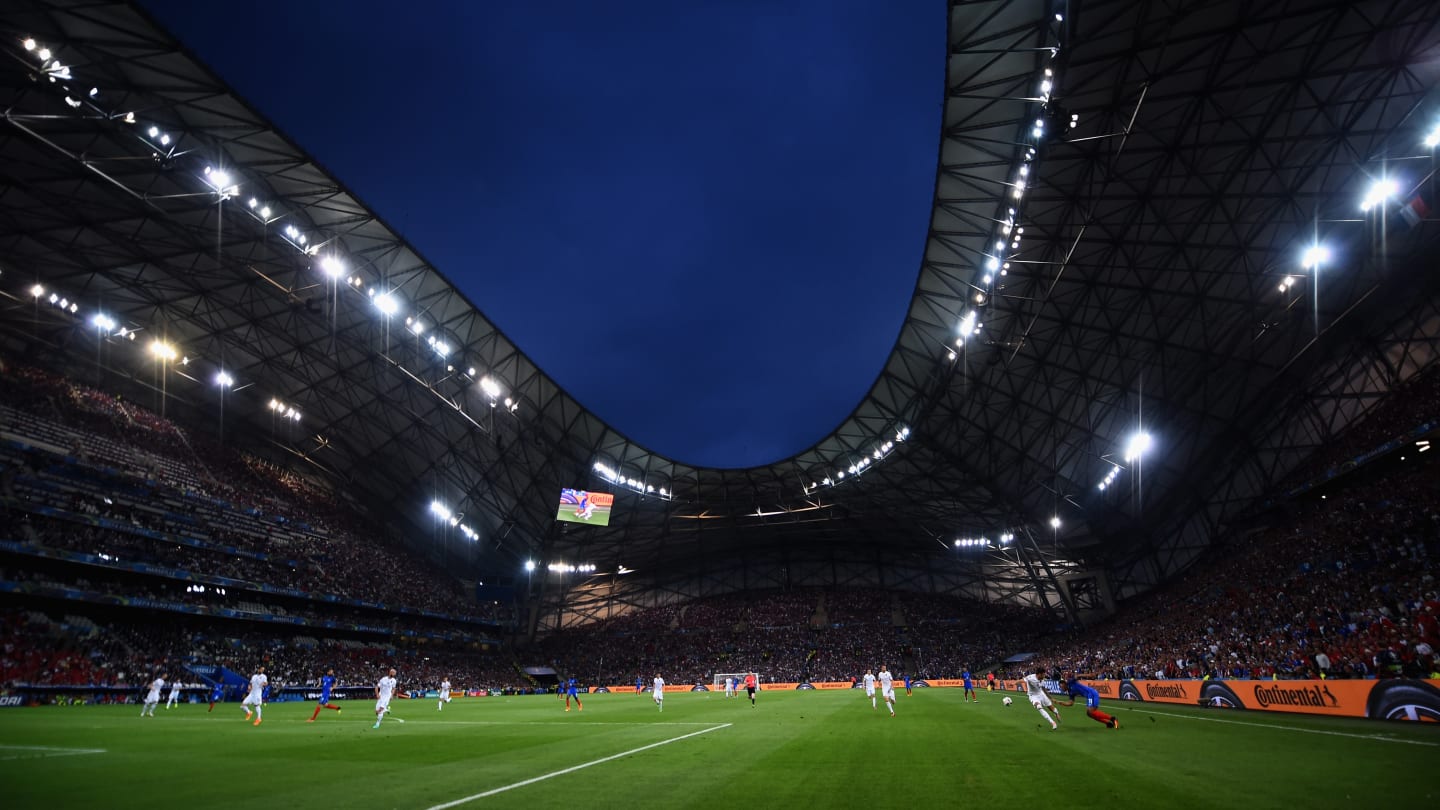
point(443, 512)
point(981, 542)
point(879, 452)
point(614, 477)
point(203, 589)
point(284, 411)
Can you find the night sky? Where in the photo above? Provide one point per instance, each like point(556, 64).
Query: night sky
point(702, 219)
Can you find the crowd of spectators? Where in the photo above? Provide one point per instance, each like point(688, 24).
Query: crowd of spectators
point(1343, 587)
point(132, 465)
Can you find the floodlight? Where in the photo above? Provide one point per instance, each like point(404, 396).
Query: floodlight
point(490, 387)
point(471, 373)
point(163, 350)
point(264, 212)
point(418, 327)
point(1432, 140)
point(332, 267)
point(224, 380)
point(1138, 446)
point(253, 202)
point(164, 140)
point(1314, 256)
point(1055, 522)
point(44, 54)
point(29, 44)
point(386, 303)
point(37, 291)
point(529, 565)
point(102, 321)
point(1379, 191)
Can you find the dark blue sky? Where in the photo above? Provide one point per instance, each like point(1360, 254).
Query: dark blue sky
point(702, 219)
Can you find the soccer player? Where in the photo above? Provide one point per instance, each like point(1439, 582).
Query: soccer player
point(383, 692)
point(174, 695)
point(152, 698)
point(256, 698)
point(870, 687)
point(750, 687)
point(887, 688)
point(990, 681)
point(571, 690)
point(907, 684)
point(729, 687)
point(1040, 700)
point(659, 691)
point(444, 695)
point(969, 688)
point(639, 684)
point(216, 695)
point(1092, 702)
point(327, 685)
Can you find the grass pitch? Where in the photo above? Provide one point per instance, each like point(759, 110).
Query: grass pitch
point(796, 749)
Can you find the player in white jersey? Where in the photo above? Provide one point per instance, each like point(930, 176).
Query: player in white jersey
point(870, 687)
point(658, 691)
point(444, 694)
point(729, 687)
point(384, 690)
point(174, 695)
point(256, 697)
point(1040, 700)
point(887, 688)
point(152, 698)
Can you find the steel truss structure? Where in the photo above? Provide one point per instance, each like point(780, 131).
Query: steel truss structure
point(1123, 190)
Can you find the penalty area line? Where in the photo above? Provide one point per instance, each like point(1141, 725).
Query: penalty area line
point(8, 752)
point(1375, 737)
point(574, 768)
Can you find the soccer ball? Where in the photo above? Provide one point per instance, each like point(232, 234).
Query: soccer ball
point(1006, 700)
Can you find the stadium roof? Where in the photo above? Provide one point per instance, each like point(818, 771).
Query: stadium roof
point(1157, 285)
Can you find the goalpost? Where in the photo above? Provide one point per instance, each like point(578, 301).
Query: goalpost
point(718, 682)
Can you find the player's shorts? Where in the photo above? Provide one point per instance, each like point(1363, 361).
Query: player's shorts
point(445, 695)
point(1041, 701)
point(251, 700)
point(869, 693)
point(660, 694)
point(750, 690)
point(382, 705)
point(888, 693)
point(1092, 702)
point(325, 698)
point(153, 697)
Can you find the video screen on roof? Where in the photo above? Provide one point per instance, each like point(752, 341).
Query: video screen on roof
point(579, 506)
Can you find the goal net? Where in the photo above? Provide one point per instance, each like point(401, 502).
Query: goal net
point(718, 683)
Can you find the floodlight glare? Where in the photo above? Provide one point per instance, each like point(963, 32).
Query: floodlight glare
point(386, 303)
point(332, 267)
point(1379, 191)
point(490, 387)
point(45, 54)
point(1138, 446)
point(1432, 140)
point(224, 380)
point(163, 351)
point(1055, 522)
point(29, 44)
point(102, 321)
point(529, 565)
point(1314, 256)
point(37, 291)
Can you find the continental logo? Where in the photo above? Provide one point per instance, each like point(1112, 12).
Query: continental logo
point(1174, 691)
point(1105, 688)
point(1275, 695)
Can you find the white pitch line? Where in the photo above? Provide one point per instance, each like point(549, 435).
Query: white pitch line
point(1375, 737)
point(574, 768)
point(39, 751)
point(555, 723)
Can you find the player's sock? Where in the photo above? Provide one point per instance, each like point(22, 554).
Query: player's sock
point(872, 703)
point(318, 707)
point(1045, 715)
point(1099, 716)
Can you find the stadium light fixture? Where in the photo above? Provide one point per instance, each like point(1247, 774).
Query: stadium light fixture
point(1314, 256)
point(387, 304)
point(1380, 190)
point(1138, 445)
point(1055, 522)
point(29, 43)
point(332, 267)
point(490, 387)
point(163, 351)
point(221, 181)
point(102, 322)
point(1432, 139)
point(224, 380)
point(37, 291)
point(529, 565)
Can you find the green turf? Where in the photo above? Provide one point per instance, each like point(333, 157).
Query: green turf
point(796, 749)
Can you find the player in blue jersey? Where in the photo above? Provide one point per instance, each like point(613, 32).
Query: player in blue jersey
point(327, 685)
point(216, 695)
point(969, 688)
point(639, 684)
point(1076, 689)
point(572, 690)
